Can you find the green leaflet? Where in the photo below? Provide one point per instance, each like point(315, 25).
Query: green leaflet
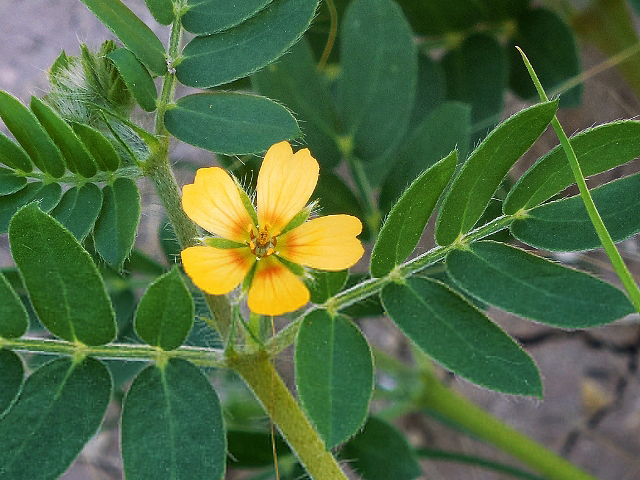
point(295, 81)
point(598, 149)
point(47, 197)
point(535, 288)
point(132, 32)
point(136, 77)
point(403, 227)
point(204, 17)
point(213, 60)
point(473, 188)
point(334, 375)
point(78, 209)
point(172, 425)
point(440, 17)
point(251, 449)
point(564, 225)
point(325, 285)
point(162, 10)
point(65, 288)
point(230, 123)
point(476, 74)
point(14, 320)
point(460, 337)
point(116, 227)
point(78, 158)
point(551, 48)
point(11, 378)
point(381, 452)
point(165, 312)
point(59, 409)
point(13, 155)
point(379, 73)
point(446, 128)
point(10, 182)
point(99, 146)
point(31, 135)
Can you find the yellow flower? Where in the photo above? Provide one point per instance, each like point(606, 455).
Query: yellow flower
point(264, 248)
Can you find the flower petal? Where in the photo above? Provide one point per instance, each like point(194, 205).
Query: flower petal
point(217, 270)
point(214, 203)
point(325, 243)
point(285, 184)
point(275, 289)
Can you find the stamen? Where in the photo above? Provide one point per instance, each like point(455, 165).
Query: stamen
point(262, 244)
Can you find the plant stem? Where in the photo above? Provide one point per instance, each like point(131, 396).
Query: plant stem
point(372, 214)
point(603, 234)
point(259, 373)
point(159, 170)
point(454, 406)
point(204, 357)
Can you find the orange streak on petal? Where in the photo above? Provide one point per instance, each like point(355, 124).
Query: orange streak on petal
point(325, 243)
point(215, 270)
point(285, 184)
point(275, 290)
point(214, 203)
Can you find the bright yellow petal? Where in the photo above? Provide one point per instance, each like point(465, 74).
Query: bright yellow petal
point(325, 243)
point(285, 184)
point(214, 203)
point(275, 289)
point(217, 270)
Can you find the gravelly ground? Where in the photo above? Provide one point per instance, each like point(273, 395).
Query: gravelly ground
point(591, 411)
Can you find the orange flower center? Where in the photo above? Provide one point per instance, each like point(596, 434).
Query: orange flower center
point(262, 244)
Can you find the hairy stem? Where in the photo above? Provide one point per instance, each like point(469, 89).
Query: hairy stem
point(259, 373)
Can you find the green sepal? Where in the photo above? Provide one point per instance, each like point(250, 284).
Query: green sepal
point(296, 269)
point(248, 278)
point(218, 242)
point(299, 218)
point(246, 201)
